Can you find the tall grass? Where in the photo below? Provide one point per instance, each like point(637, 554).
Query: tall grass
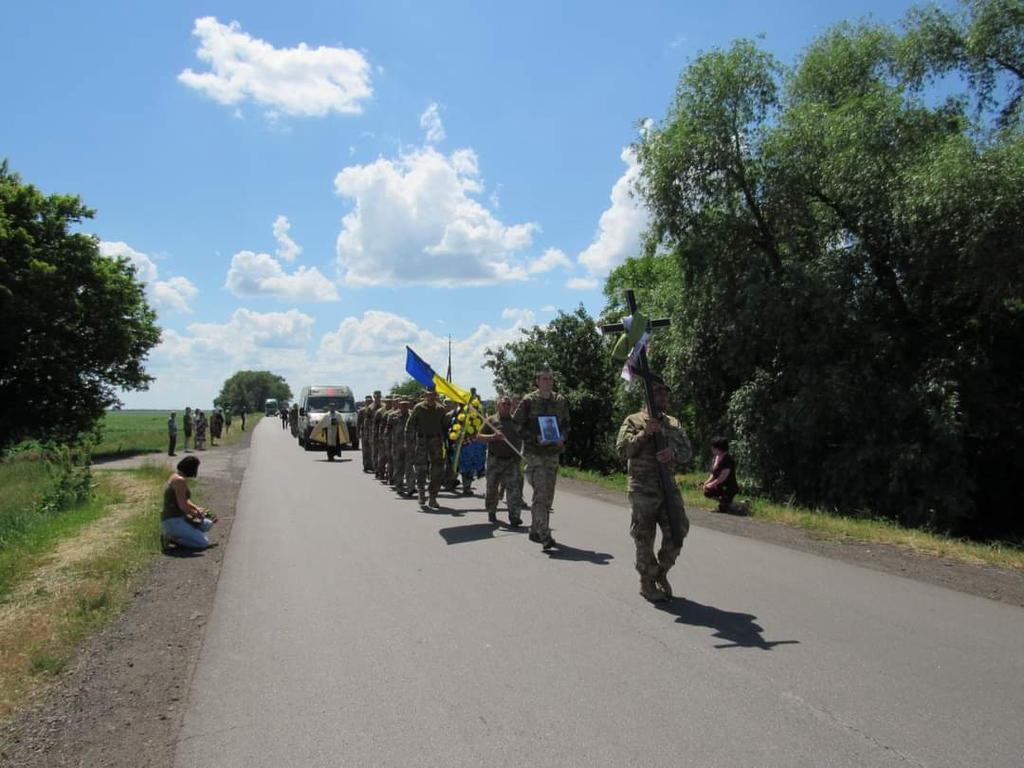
point(52, 605)
point(44, 501)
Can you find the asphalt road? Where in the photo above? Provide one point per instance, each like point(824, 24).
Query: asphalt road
point(352, 628)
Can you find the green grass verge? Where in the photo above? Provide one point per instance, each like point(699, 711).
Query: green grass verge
point(833, 527)
point(68, 579)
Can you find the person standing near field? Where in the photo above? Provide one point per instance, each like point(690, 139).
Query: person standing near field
point(187, 427)
point(172, 434)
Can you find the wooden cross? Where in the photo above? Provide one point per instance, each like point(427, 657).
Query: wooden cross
point(643, 367)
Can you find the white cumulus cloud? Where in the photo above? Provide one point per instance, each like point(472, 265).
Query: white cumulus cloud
point(260, 274)
point(301, 81)
point(287, 248)
point(430, 121)
point(552, 258)
point(620, 229)
point(171, 295)
point(145, 268)
point(582, 283)
point(370, 349)
point(414, 220)
point(174, 294)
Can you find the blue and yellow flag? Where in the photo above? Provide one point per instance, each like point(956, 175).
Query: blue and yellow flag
point(417, 367)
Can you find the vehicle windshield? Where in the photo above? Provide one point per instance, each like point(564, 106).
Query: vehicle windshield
point(324, 403)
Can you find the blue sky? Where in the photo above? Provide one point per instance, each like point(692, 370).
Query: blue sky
point(308, 187)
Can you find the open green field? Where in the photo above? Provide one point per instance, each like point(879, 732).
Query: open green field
point(824, 525)
point(126, 433)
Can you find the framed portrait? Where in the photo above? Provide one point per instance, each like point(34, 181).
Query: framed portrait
point(549, 432)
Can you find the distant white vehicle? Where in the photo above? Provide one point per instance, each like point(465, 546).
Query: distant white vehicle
point(315, 402)
point(270, 407)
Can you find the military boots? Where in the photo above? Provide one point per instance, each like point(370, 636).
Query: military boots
point(661, 581)
point(649, 591)
point(423, 496)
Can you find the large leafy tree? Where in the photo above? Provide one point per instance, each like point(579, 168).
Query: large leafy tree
point(849, 272)
point(572, 347)
point(74, 326)
point(249, 390)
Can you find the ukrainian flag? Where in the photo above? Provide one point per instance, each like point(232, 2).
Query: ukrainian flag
point(417, 367)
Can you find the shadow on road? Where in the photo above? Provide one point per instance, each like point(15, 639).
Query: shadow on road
point(739, 629)
point(564, 552)
point(440, 511)
point(461, 534)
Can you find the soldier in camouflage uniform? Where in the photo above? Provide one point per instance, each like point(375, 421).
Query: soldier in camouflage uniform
point(502, 462)
point(646, 497)
point(409, 481)
point(427, 423)
point(362, 419)
point(542, 456)
point(397, 423)
point(371, 412)
point(379, 456)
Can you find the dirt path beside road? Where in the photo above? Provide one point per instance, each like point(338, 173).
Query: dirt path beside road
point(122, 699)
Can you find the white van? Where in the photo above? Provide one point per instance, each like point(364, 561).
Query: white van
point(315, 402)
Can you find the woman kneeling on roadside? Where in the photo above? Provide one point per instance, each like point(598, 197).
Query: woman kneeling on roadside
point(181, 521)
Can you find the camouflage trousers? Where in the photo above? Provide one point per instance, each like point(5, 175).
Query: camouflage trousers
point(504, 472)
point(366, 444)
point(380, 456)
point(399, 466)
point(429, 460)
point(649, 514)
point(542, 474)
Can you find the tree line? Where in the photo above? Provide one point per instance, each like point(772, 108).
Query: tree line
point(75, 326)
point(838, 245)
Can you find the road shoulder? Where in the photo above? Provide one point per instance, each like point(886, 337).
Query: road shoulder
point(122, 700)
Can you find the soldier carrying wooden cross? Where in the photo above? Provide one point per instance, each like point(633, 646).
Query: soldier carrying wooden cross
point(654, 444)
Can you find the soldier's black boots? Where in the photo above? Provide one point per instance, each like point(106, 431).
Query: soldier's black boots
point(548, 543)
point(650, 591)
point(492, 517)
point(423, 497)
point(534, 537)
point(661, 581)
point(515, 521)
